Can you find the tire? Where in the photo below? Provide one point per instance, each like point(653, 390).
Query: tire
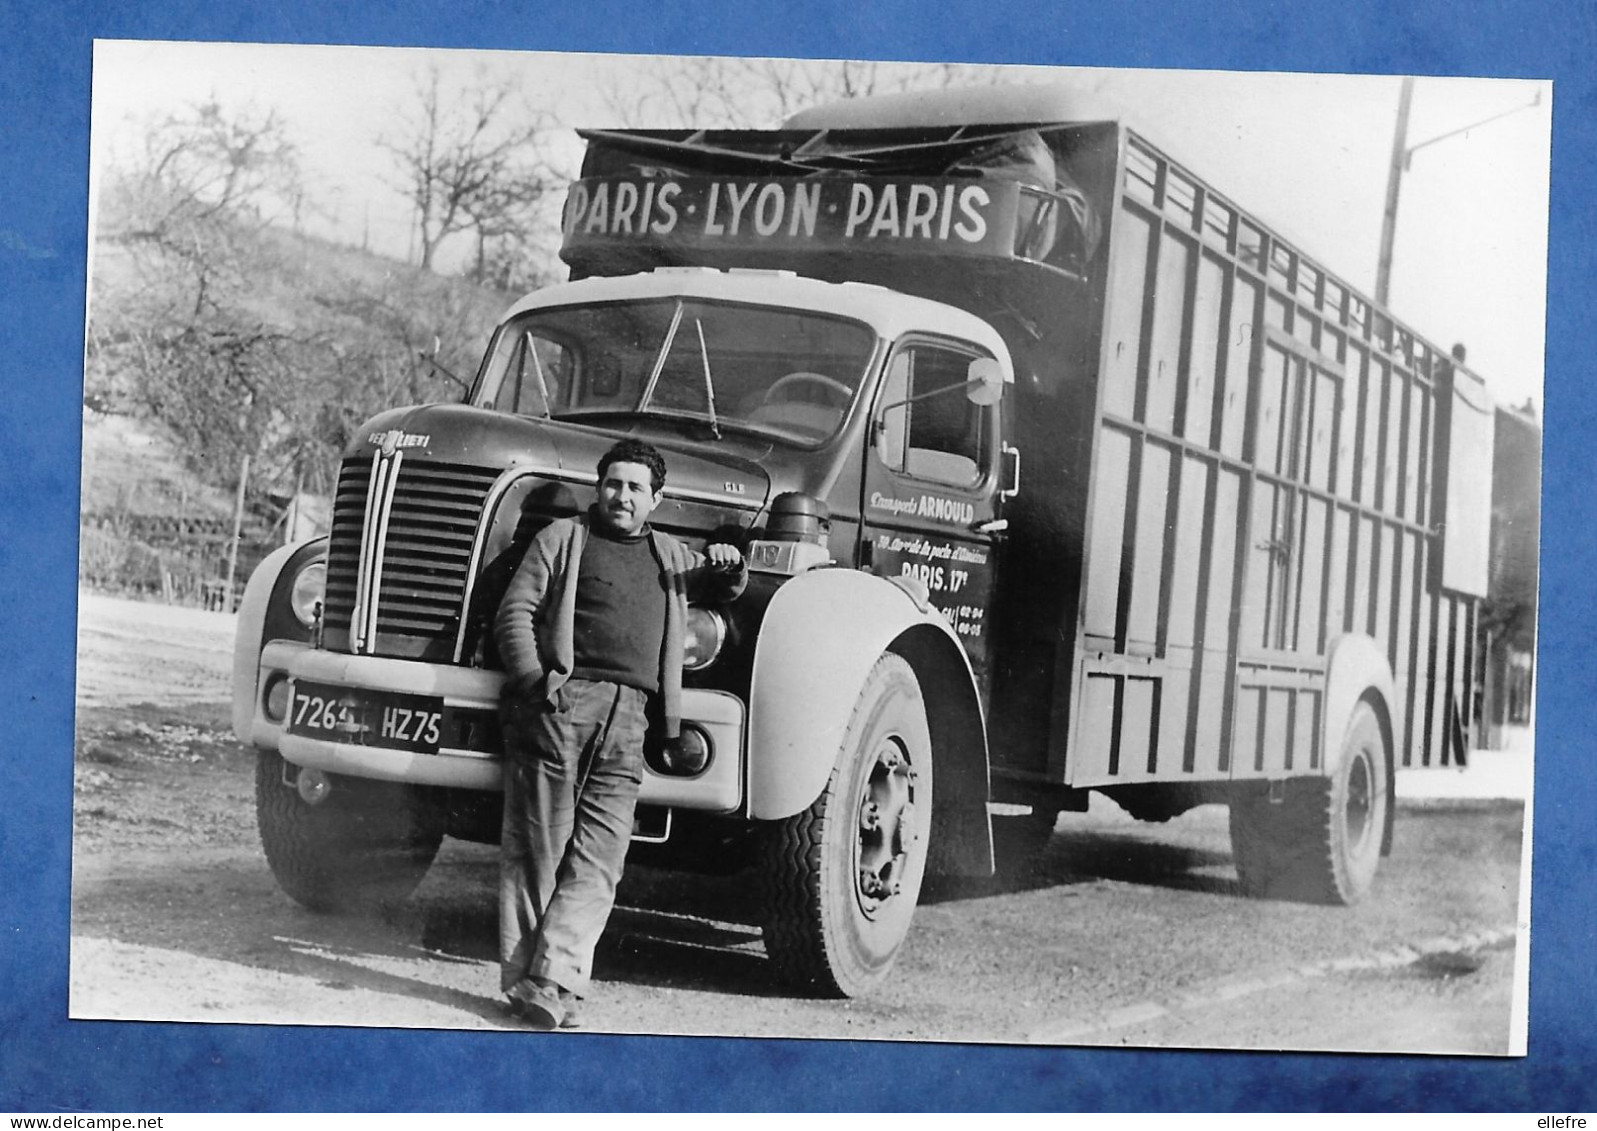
point(842, 877)
point(1322, 842)
point(365, 847)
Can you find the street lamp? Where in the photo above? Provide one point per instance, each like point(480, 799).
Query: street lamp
point(1402, 157)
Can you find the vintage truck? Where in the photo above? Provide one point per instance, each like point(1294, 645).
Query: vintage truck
point(1057, 471)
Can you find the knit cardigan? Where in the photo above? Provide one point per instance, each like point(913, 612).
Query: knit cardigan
point(535, 625)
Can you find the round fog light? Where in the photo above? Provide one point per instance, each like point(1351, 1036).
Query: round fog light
point(690, 753)
point(275, 701)
point(313, 786)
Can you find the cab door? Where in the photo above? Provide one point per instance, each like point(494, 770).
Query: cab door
point(931, 499)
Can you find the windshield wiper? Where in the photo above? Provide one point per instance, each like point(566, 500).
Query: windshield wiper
point(709, 382)
point(537, 368)
point(659, 359)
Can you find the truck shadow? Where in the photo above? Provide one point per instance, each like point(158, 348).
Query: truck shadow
point(670, 930)
point(667, 930)
point(1084, 857)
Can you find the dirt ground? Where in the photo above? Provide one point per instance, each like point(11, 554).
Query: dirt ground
point(1130, 934)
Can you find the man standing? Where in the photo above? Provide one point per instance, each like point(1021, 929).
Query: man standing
point(591, 633)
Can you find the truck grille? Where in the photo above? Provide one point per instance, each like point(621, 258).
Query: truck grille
point(431, 524)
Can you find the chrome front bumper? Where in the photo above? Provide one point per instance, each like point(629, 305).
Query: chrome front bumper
point(721, 716)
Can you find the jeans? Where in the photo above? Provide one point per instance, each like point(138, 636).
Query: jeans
point(572, 773)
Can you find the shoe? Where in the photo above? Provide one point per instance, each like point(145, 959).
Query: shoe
point(538, 1006)
point(569, 1002)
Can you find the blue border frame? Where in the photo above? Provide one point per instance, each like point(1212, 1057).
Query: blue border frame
point(50, 1064)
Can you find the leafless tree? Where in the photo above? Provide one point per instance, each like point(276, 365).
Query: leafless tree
point(468, 160)
point(206, 178)
point(729, 93)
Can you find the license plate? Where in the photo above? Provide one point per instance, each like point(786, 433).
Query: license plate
point(363, 717)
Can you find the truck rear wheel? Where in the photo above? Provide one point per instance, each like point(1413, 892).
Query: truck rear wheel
point(365, 846)
point(842, 877)
point(1322, 842)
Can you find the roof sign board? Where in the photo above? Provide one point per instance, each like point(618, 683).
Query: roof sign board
point(917, 216)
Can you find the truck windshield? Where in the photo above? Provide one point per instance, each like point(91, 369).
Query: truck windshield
point(790, 374)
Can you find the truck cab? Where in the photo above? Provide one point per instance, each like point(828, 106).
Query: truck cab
point(846, 436)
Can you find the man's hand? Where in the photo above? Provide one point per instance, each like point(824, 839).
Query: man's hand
point(723, 557)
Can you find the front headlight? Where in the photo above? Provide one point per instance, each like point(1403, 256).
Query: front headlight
point(310, 590)
point(706, 632)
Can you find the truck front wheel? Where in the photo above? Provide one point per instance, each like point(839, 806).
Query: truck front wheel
point(842, 876)
point(1322, 842)
point(366, 845)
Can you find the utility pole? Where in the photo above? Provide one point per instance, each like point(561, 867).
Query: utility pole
point(1394, 180)
point(1402, 155)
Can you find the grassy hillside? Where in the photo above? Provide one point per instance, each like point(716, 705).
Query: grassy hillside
point(344, 331)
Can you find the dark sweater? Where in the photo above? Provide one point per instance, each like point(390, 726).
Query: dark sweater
point(534, 626)
point(619, 621)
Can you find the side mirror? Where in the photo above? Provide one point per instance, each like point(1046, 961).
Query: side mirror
point(984, 382)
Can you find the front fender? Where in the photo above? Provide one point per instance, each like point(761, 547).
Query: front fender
point(822, 633)
point(250, 631)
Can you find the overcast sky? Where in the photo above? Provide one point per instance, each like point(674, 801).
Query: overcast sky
point(1307, 153)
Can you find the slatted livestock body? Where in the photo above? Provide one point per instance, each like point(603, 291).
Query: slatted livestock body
point(1248, 542)
point(1270, 473)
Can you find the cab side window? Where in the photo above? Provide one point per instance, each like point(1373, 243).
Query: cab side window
point(928, 428)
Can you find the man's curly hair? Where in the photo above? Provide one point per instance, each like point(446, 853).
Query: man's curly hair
point(636, 451)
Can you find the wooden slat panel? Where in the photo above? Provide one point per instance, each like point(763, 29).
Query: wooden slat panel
point(1108, 529)
point(1223, 533)
point(1414, 747)
point(1258, 602)
point(1457, 665)
point(1148, 553)
point(1392, 444)
point(1311, 577)
point(1245, 724)
point(1164, 341)
point(1095, 738)
point(1422, 496)
point(1187, 556)
point(1436, 728)
point(1413, 506)
point(1139, 705)
point(1336, 596)
point(1172, 741)
point(1209, 751)
point(1239, 349)
point(1276, 742)
point(1403, 659)
point(1202, 378)
point(1386, 582)
point(1306, 731)
point(1370, 433)
point(1361, 568)
point(1347, 431)
point(1274, 409)
point(1127, 284)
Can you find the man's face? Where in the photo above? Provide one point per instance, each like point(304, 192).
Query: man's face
point(627, 497)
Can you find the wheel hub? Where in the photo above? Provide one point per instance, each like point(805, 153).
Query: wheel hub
point(1360, 799)
point(886, 827)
